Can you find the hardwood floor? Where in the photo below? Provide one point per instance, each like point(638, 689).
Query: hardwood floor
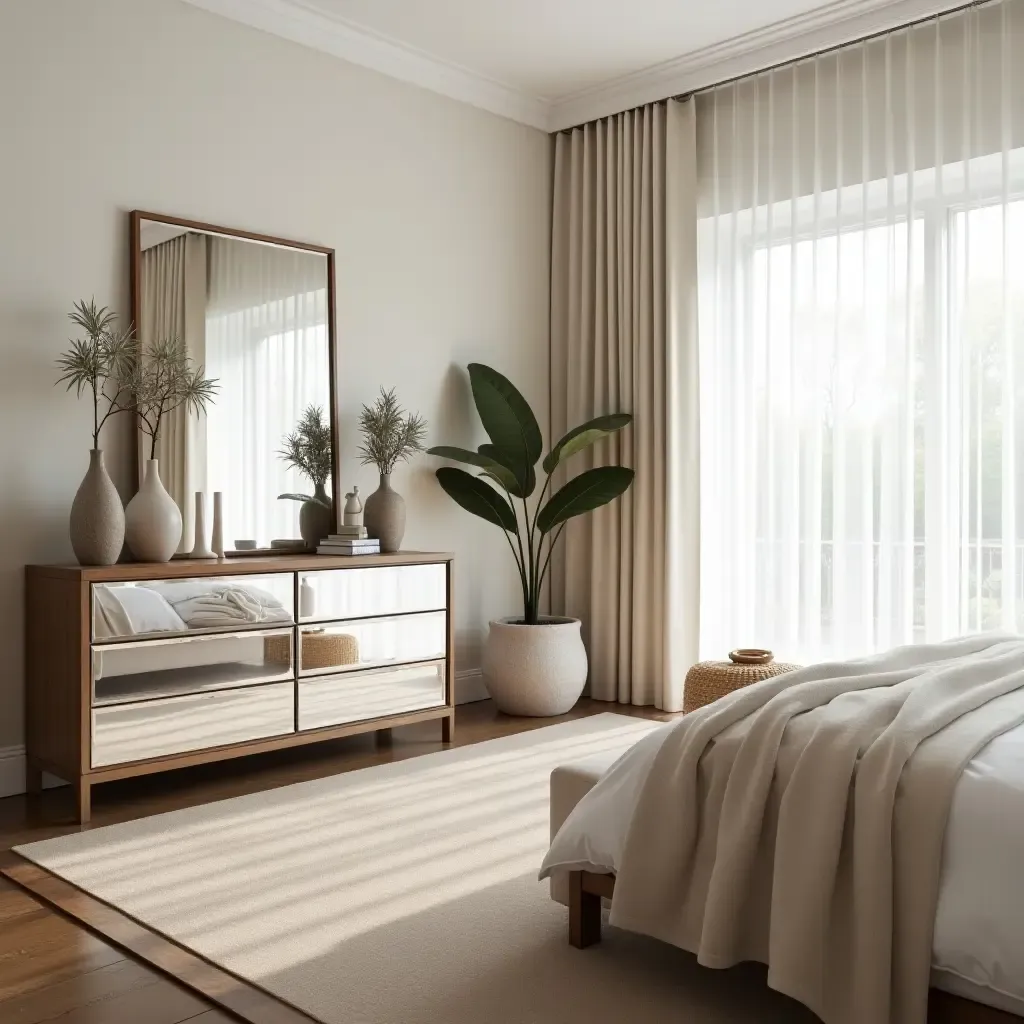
point(52, 969)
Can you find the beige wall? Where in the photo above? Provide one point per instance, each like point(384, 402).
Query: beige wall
point(439, 214)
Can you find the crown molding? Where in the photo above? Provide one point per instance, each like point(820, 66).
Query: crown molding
point(302, 23)
point(833, 24)
point(841, 21)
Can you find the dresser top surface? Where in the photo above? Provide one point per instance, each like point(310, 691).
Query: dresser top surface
point(191, 567)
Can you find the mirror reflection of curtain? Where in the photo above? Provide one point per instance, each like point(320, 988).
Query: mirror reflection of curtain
point(173, 285)
point(267, 345)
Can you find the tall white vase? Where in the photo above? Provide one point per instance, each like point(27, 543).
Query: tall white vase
point(152, 522)
point(218, 524)
point(200, 549)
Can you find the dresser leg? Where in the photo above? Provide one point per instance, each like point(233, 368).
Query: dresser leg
point(33, 777)
point(447, 729)
point(84, 801)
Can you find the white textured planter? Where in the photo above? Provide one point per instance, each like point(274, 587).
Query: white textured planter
point(535, 670)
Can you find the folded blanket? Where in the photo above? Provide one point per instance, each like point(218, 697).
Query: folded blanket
point(203, 604)
point(800, 821)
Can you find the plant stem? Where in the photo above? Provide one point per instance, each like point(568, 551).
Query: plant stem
point(519, 566)
point(531, 606)
point(547, 561)
point(535, 581)
point(95, 416)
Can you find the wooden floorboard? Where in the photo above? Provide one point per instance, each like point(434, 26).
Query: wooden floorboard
point(53, 965)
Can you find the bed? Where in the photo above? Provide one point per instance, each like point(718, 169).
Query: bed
point(977, 946)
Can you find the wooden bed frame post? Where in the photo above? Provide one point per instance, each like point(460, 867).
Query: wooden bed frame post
point(584, 913)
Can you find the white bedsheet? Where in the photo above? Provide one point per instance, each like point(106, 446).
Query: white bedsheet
point(978, 946)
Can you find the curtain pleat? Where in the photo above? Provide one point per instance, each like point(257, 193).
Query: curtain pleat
point(859, 250)
point(622, 273)
point(173, 285)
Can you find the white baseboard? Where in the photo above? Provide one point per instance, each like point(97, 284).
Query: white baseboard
point(469, 687)
point(12, 772)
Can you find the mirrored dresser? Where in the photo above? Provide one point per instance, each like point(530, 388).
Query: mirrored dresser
point(139, 668)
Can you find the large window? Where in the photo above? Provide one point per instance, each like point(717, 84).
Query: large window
point(862, 346)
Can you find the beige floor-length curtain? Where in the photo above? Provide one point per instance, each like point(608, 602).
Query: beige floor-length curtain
point(623, 338)
point(174, 306)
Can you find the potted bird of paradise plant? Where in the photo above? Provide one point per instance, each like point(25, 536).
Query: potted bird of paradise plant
point(533, 664)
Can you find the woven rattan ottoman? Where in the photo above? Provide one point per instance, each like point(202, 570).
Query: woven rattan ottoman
point(320, 649)
point(709, 680)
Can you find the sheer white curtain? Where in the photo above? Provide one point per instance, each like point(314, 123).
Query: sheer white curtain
point(861, 268)
point(267, 344)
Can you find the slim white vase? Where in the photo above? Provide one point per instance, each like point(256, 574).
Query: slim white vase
point(152, 522)
point(200, 549)
point(218, 524)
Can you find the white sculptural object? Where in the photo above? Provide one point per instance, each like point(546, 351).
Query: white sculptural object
point(353, 514)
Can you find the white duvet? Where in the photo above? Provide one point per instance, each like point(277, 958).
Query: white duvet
point(978, 946)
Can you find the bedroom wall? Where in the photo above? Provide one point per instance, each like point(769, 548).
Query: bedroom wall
point(439, 213)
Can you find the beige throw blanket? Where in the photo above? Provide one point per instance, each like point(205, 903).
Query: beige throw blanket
point(800, 822)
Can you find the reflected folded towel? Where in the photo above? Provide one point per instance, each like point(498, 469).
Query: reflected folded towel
point(211, 604)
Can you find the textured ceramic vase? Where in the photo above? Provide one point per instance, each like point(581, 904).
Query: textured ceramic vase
point(384, 516)
point(152, 521)
point(315, 520)
point(535, 670)
point(97, 516)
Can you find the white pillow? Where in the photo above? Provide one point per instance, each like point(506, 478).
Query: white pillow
point(148, 611)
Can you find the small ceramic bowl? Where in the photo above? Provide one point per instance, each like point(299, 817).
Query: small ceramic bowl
point(245, 545)
point(751, 656)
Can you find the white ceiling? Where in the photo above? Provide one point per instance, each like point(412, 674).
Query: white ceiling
point(554, 63)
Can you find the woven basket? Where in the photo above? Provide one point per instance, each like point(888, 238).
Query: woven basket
point(319, 649)
point(709, 680)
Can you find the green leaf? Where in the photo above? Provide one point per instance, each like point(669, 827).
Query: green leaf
point(304, 497)
point(508, 420)
point(477, 497)
point(583, 493)
point(519, 477)
point(503, 476)
point(583, 436)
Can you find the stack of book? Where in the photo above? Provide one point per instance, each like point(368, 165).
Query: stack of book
point(350, 540)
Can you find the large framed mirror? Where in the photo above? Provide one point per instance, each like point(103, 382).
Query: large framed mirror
point(258, 313)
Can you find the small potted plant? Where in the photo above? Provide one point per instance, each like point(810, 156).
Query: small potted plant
point(308, 449)
point(533, 664)
point(95, 364)
point(390, 436)
point(160, 379)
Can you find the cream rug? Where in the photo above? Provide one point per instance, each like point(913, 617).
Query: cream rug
point(405, 893)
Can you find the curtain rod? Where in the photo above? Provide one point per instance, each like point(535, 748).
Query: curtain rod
point(836, 47)
point(793, 61)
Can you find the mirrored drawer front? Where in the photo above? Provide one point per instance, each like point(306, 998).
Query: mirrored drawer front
point(363, 643)
point(122, 673)
point(152, 608)
point(363, 593)
point(159, 728)
point(357, 696)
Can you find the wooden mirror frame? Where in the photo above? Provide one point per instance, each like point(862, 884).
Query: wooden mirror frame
point(135, 284)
